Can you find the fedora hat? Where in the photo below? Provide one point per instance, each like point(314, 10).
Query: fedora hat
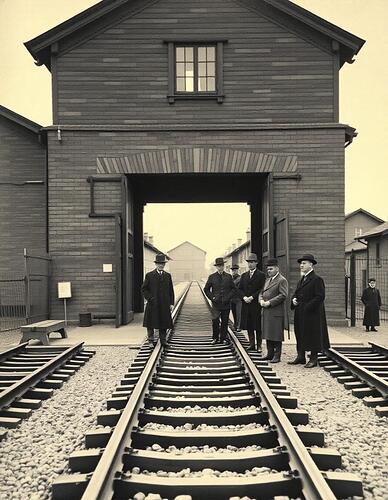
point(308, 256)
point(252, 257)
point(160, 258)
point(235, 266)
point(272, 262)
point(219, 261)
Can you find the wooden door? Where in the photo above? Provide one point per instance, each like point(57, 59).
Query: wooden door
point(268, 244)
point(127, 252)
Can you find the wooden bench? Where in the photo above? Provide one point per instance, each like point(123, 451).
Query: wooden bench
point(42, 330)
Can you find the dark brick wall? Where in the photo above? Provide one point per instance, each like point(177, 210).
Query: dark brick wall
point(271, 74)
point(22, 208)
point(315, 204)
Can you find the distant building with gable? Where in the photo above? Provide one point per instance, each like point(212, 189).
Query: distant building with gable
point(187, 262)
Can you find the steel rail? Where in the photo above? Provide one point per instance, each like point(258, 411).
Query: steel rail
point(379, 348)
point(370, 378)
point(314, 485)
point(101, 484)
point(21, 386)
point(13, 350)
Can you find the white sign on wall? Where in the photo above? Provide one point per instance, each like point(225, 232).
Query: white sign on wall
point(107, 268)
point(64, 290)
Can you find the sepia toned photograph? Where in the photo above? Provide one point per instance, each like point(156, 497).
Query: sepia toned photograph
point(193, 250)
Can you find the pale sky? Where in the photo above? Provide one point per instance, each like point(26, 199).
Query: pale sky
point(25, 88)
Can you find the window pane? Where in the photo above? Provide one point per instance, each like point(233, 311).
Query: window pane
point(211, 53)
point(189, 69)
point(180, 69)
point(202, 85)
point(211, 69)
point(189, 53)
point(180, 84)
point(180, 54)
point(189, 84)
point(201, 53)
point(211, 84)
point(202, 69)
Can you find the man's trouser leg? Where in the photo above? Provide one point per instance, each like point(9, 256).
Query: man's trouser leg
point(150, 334)
point(238, 313)
point(251, 337)
point(258, 339)
point(270, 350)
point(163, 336)
point(216, 328)
point(224, 324)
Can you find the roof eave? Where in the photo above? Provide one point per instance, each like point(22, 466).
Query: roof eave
point(20, 120)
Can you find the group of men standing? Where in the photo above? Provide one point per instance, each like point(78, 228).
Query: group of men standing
point(258, 302)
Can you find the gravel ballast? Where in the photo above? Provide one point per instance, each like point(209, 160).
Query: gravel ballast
point(37, 451)
point(349, 426)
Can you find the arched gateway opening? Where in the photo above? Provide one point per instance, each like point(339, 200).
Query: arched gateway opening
point(188, 175)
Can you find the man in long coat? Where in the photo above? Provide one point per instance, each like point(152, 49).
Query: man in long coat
point(372, 301)
point(158, 291)
point(273, 301)
point(310, 317)
point(251, 284)
point(220, 288)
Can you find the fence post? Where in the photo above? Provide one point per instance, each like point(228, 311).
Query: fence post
point(27, 302)
point(352, 286)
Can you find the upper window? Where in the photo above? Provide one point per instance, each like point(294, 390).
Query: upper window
point(195, 68)
point(358, 231)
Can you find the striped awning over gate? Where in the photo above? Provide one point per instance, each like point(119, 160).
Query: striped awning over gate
point(197, 159)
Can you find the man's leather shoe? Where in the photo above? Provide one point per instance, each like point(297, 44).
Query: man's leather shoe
point(311, 364)
point(251, 347)
point(267, 357)
point(297, 361)
point(275, 359)
point(214, 341)
point(373, 330)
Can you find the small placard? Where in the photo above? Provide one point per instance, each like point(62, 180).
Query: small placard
point(107, 268)
point(64, 290)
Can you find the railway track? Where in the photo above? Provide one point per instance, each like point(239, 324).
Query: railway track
point(30, 373)
point(363, 370)
point(202, 421)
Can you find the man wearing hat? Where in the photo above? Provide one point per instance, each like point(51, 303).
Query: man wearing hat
point(158, 291)
point(220, 289)
point(310, 317)
point(273, 299)
point(251, 284)
point(236, 300)
point(372, 301)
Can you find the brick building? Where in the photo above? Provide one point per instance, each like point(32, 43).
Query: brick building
point(23, 204)
point(187, 262)
point(232, 101)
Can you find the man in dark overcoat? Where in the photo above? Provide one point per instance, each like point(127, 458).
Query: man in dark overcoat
point(158, 291)
point(310, 317)
point(371, 299)
point(273, 301)
point(251, 284)
point(220, 288)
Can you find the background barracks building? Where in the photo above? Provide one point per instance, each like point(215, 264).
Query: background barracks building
point(171, 101)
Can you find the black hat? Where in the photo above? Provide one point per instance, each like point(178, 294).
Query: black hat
point(235, 266)
point(308, 256)
point(252, 257)
point(160, 258)
point(371, 279)
point(272, 262)
point(219, 261)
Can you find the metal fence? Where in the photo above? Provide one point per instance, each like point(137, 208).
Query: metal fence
point(24, 296)
point(358, 269)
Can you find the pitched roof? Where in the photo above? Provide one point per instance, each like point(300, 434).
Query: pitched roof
point(20, 120)
point(237, 249)
point(154, 249)
point(365, 212)
point(380, 230)
point(189, 243)
point(39, 47)
point(355, 246)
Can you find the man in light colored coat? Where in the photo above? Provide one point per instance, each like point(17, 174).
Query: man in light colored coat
point(273, 301)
